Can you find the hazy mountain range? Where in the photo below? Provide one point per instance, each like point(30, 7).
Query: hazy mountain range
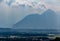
point(35, 21)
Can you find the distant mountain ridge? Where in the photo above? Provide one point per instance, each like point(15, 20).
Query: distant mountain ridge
point(35, 21)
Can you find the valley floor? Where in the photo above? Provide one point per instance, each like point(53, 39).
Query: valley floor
point(28, 39)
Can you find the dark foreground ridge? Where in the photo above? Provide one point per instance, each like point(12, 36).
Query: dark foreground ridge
point(28, 38)
point(8, 34)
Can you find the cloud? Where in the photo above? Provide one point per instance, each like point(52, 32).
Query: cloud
point(53, 4)
point(9, 2)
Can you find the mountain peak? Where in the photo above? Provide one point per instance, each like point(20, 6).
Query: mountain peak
point(50, 10)
point(36, 21)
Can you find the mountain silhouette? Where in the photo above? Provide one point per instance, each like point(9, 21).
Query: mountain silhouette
point(46, 20)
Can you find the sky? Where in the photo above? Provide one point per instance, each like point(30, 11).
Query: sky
point(11, 13)
point(49, 3)
point(53, 4)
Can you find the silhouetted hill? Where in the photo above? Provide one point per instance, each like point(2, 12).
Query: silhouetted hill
point(44, 21)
